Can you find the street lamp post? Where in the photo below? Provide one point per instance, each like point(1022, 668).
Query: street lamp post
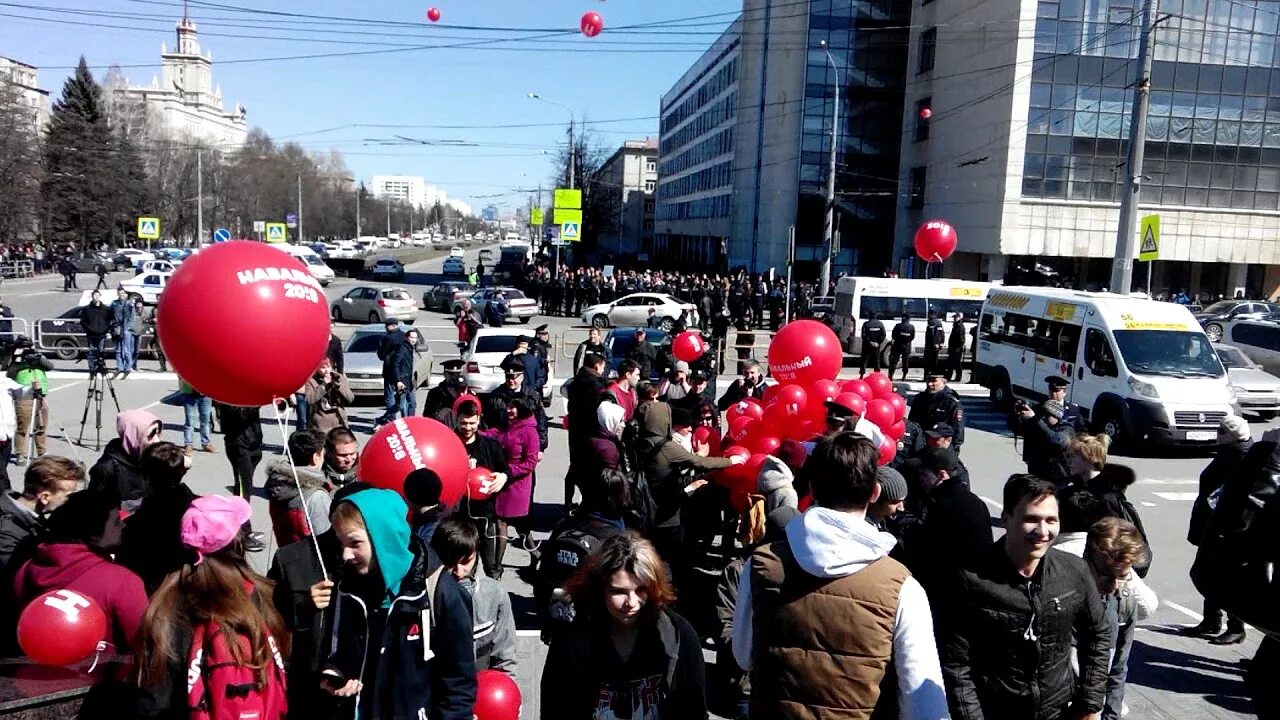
point(828, 227)
point(573, 156)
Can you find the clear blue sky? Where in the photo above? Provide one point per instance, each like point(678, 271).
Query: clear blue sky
point(616, 75)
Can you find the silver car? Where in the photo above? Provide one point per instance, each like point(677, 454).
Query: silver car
point(364, 369)
point(374, 305)
point(1257, 390)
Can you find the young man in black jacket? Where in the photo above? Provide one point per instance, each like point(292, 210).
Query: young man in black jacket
point(873, 337)
point(96, 318)
point(1007, 621)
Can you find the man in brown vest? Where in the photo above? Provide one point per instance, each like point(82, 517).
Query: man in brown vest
point(823, 613)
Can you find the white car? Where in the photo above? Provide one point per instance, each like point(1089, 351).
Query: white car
point(453, 265)
point(633, 311)
point(346, 250)
point(456, 251)
point(147, 286)
point(161, 266)
point(484, 355)
point(388, 268)
point(135, 255)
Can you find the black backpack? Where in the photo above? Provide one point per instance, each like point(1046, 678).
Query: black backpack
point(562, 555)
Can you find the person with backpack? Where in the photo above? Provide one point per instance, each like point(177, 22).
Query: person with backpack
point(873, 337)
point(935, 337)
point(186, 665)
point(456, 541)
point(399, 628)
point(1108, 482)
point(628, 653)
point(904, 333)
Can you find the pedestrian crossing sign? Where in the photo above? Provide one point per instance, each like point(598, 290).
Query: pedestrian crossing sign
point(148, 228)
point(569, 231)
point(276, 233)
point(1150, 248)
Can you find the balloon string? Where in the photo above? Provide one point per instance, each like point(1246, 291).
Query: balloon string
point(284, 444)
point(97, 654)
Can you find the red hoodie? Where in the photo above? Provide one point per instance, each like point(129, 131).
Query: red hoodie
point(77, 567)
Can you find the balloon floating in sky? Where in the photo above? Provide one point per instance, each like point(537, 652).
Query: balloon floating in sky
point(591, 23)
point(935, 241)
point(433, 14)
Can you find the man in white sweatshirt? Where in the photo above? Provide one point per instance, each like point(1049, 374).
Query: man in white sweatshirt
point(821, 615)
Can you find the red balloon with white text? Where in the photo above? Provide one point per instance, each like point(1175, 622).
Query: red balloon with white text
point(407, 444)
point(803, 352)
point(477, 479)
point(61, 627)
point(591, 23)
point(935, 241)
point(688, 346)
point(243, 323)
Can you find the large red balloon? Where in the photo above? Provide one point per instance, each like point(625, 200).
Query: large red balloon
point(497, 696)
point(688, 346)
point(899, 404)
point(935, 241)
point(791, 395)
point(477, 479)
point(860, 387)
point(824, 390)
point(591, 23)
point(763, 444)
point(881, 385)
point(243, 323)
point(805, 351)
point(746, 408)
point(888, 451)
point(407, 444)
point(433, 14)
point(779, 416)
point(61, 627)
point(853, 401)
point(880, 414)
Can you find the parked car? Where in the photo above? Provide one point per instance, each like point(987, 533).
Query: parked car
point(363, 368)
point(388, 268)
point(161, 266)
point(821, 307)
point(484, 355)
point(447, 294)
point(519, 306)
point(1215, 317)
point(621, 340)
point(147, 286)
point(456, 251)
point(63, 337)
point(453, 265)
point(633, 310)
point(374, 305)
point(130, 257)
point(1257, 390)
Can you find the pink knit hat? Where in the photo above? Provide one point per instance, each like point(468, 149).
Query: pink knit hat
point(212, 522)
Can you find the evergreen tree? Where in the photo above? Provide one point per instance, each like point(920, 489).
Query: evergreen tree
point(19, 165)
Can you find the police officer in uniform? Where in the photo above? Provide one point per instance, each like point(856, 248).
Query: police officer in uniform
point(955, 350)
point(873, 337)
point(904, 333)
point(438, 403)
point(541, 347)
point(934, 338)
point(1072, 416)
point(938, 404)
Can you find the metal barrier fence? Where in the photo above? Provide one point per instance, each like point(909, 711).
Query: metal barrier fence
point(17, 269)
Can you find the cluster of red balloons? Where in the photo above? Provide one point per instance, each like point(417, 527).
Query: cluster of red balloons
point(61, 627)
point(935, 241)
point(874, 399)
point(407, 444)
point(279, 336)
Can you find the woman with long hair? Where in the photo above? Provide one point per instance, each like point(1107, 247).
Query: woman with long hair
point(627, 654)
point(211, 626)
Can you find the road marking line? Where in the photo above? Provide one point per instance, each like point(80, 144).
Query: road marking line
point(70, 374)
point(991, 502)
point(64, 387)
point(1184, 610)
point(1148, 504)
point(1177, 496)
point(1148, 481)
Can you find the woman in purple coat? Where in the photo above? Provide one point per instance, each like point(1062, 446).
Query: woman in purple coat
point(520, 442)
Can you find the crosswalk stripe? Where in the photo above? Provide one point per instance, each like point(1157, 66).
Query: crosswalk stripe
point(1177, 496)
point(1152, 481)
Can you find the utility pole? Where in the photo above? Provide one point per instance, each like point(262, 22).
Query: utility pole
point(299, 208)
point(359, 187)
point(388, 216)
point(199, 198)
point(1126, 233)
point(828, 227)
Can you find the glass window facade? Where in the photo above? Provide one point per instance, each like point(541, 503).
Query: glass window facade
point(1213, 131)
point(868, 40)
point(692, 137)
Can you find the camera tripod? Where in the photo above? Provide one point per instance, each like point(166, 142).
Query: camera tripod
point(98, 379)
point(37, 427)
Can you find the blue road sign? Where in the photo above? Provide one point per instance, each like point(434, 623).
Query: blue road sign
point(291, 220)
point(221, 235)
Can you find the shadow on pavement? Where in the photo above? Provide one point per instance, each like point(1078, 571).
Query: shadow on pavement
point(1182, 673)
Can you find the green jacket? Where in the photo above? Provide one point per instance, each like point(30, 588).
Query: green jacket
point(27, 376)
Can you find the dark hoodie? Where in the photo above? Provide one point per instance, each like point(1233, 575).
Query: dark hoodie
point(1109, 487)
point(152, 546)
point(413, 653)
point(289, 511)
point(117, 472)
point(73, 566)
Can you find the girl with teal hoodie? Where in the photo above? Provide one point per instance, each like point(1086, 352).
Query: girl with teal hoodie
point(400, 629)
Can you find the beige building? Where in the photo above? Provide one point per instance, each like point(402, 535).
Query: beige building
point(24, 78)
point(628, 179)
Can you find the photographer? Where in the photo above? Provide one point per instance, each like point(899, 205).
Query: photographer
point(328, 394)
point(750, 385)
point(28, 372)
point(96, 318)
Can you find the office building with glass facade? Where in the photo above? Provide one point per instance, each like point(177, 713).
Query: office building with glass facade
point(765, 165)
point(1024, 152)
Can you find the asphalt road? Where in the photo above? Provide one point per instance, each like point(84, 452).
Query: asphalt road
point(1169, 677)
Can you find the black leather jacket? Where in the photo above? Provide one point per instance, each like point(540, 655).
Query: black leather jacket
point(1005, 640)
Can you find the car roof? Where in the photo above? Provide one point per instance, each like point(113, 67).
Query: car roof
point(507, 332)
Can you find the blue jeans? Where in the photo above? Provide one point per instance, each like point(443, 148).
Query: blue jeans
point(126, 349)
point(404, 404)
point(303, 419)
point(199, 408)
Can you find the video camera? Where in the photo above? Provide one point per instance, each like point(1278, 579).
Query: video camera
point(23, 355)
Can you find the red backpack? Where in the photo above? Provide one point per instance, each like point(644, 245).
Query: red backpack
point(218, 688)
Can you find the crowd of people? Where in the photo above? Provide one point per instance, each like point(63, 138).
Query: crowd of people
point(822, 577)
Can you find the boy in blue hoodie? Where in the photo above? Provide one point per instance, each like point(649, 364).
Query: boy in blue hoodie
point(400, 629)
